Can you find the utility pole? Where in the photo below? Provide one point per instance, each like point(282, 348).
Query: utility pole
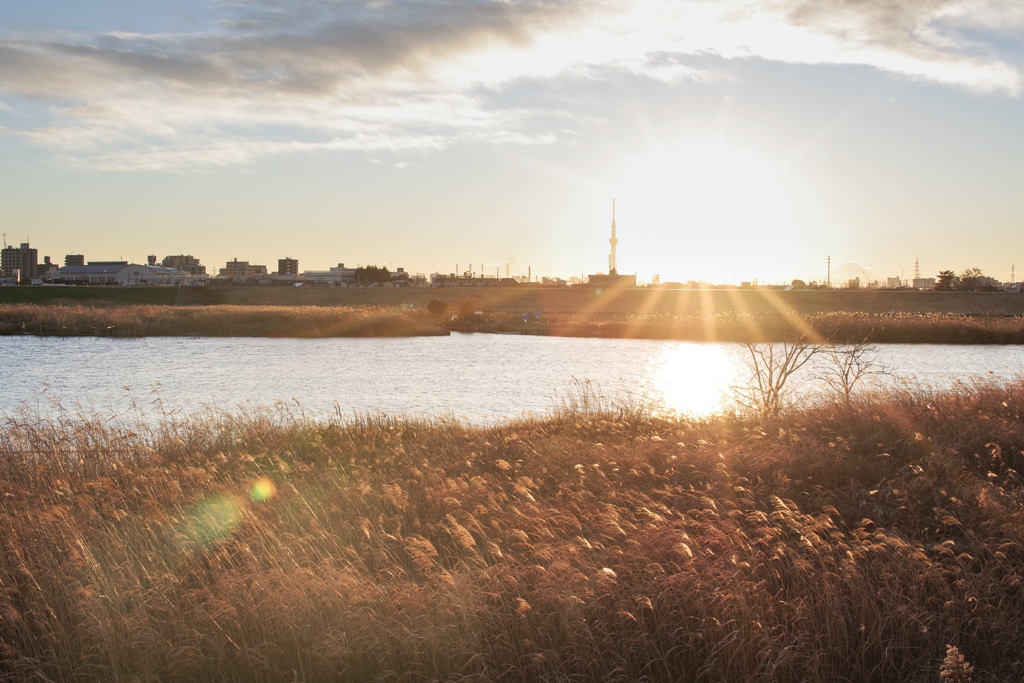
point(828, 281)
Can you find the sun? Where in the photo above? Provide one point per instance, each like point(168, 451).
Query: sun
point(693, 378)
point(711, 212)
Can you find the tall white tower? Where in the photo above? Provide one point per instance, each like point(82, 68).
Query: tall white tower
point(613, 241)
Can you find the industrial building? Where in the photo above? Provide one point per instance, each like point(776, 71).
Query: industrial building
point(121, 273)
point(335, 276)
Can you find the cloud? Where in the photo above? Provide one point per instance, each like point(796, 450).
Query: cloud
point(308, 76)
point(938, 40)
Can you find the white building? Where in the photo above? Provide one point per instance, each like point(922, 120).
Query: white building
point(121, 273)
point(149, 276)
point(336, 276)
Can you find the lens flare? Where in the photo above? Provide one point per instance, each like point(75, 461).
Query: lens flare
point(262, 490)
point(215, 518)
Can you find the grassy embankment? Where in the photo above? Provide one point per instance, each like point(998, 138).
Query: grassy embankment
point(348, 321)
point(841, 327)
point(217, 321)
point(543, 300)
point(724, 315)
point(835, 543)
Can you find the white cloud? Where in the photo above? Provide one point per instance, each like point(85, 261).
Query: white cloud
point(280, 78)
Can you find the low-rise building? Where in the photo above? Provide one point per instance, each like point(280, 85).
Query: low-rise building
point(186, 263)
point(242, 271)
point(611, 280)
point(451, 280)
point(120, 273)
point(149, 276)
point(335, 276)
point(92, 273)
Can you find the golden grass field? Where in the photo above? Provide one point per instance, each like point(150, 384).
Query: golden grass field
point(141, 320)
point(583, 300)
point(701, 315)
point(545, 300)
point(839, 542)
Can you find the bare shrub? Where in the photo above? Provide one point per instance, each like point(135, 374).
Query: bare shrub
point(846, 365)
point(770, 367)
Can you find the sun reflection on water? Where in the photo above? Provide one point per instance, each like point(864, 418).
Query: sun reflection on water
point(693, 378)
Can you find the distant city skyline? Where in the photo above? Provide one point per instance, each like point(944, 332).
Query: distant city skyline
point(838, 275)
point(741, 140)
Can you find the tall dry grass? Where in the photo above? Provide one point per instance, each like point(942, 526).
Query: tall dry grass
point(839, 327)
point(349, 321)
point(841, 542)
point(216, 321)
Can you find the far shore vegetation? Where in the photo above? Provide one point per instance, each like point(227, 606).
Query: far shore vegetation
point(438, 317)
point(217, 321)
point(874, 537)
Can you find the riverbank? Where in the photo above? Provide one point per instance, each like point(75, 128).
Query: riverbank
point(217, 321)
point(366, 321)
point(838, 542)
point(839, 327)
point(543, 300)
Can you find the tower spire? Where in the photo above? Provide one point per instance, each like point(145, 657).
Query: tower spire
point(613, 241)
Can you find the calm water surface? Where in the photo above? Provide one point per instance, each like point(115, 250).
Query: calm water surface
point(476, 377)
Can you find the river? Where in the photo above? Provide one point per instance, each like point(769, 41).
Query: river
point(476, 377)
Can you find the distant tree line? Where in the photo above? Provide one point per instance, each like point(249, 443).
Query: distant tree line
point(969, 280)
point(372, 274)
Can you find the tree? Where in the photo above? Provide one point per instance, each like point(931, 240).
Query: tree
point(372, 274)
point(946, 281)
point(771, 365)
point(971, 279)
point(437, 307)
point(847, 364)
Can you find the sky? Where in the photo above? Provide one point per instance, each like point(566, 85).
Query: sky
point(739, 140)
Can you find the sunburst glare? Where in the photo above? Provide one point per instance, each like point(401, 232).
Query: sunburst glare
point(692, 378)
point(712, 213)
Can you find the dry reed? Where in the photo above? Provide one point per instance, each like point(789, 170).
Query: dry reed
point(370, 321)
point(841, 542)
point(216, 321)
point(839, 327)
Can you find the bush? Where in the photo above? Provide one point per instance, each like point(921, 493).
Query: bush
point(437, 307)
